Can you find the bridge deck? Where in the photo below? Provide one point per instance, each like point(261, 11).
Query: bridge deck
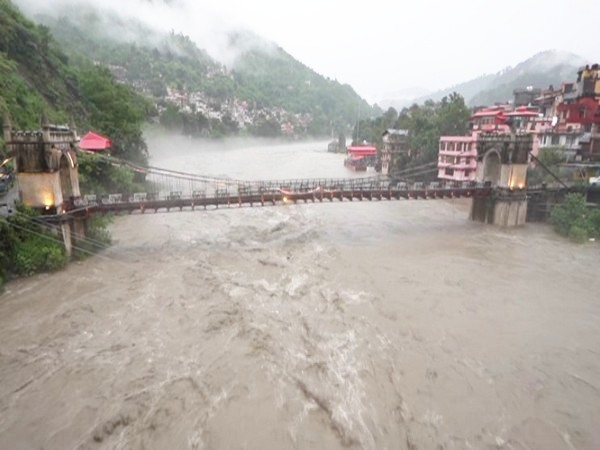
point(240, 199)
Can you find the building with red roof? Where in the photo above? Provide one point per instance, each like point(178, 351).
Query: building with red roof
point(95, 142)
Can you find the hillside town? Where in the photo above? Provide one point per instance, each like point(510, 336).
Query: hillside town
point(565, 119)
point(213, 115)
point(242, 114)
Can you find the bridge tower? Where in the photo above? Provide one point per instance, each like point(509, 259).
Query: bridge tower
point(47, 170)
point(502, 163)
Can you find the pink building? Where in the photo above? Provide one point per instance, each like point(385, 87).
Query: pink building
point(457, 158)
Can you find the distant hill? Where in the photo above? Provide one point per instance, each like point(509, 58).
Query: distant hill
point(402, 97)
point(541, 70)
point(259, 72)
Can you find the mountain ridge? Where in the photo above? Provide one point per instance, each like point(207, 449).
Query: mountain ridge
point(540, 70)
point(261, 76)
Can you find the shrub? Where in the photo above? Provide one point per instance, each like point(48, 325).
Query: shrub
point(574, 219)
point(578, 234)
point(38, 254)
point(571, 210)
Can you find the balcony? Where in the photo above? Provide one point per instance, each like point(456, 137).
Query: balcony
point(467, 165)
point(472, 152)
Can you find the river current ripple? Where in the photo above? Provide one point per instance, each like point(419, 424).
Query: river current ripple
point(368, 325)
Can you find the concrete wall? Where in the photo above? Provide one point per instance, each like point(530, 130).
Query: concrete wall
point(66, 238)
point(39, 190)
point(504, 212)
point(510, 213)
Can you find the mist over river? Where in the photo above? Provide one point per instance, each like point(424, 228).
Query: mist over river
point(375, 325)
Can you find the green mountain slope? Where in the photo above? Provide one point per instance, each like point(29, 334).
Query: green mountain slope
point(261, 74)
point(36, 77)
point(275, 78)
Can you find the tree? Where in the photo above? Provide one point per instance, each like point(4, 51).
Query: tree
point(551, 158)
point(453, 116)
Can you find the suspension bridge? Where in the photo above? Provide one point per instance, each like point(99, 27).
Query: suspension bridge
point(176, 190)
point(48, 178)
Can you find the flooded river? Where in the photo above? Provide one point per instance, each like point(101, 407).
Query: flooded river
point(375, 325)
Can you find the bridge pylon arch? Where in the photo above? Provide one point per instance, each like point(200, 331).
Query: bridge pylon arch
point(502, 163)
point(492, 167)
point(47, 171)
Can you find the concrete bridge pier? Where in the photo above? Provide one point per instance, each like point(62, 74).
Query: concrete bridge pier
point(502, 164)
point(73, 232)
point(65, 229)
point(505, 209)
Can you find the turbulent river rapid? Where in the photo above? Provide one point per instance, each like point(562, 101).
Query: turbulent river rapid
point(364, 325)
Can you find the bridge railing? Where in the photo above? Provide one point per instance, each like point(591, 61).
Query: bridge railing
point(346, 187)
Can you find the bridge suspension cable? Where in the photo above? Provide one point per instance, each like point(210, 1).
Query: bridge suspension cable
point(547, 170)
point(80, 238)
point(54, 228)
point(58, 241)
point(409, 171)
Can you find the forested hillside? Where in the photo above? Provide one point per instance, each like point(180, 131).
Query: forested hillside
point(261, 82)
point(37, 77)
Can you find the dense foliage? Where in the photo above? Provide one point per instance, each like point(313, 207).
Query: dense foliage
point(575, 219)
point(549, 160)
point(37, 77)
point(98, 176)
point(425, 124)
point(274, 78)
point(26, 247)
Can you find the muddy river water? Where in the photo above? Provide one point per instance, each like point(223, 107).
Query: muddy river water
point(375, 325)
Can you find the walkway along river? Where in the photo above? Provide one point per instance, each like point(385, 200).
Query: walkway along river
point(367, 325)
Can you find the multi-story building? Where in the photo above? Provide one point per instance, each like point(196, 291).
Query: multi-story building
point(574, 117)
point(525, 97)
point(567, 119)
point(457, 158)
point(395, 143)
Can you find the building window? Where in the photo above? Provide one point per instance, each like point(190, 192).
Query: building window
point(555, 138)
point(449, 172)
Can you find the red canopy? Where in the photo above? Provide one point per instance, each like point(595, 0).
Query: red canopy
point(362, 150)
point(95, 142)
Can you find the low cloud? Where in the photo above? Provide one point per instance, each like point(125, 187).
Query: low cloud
point(223, 38)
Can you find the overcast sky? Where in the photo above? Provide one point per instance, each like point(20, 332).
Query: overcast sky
point(379, 46)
